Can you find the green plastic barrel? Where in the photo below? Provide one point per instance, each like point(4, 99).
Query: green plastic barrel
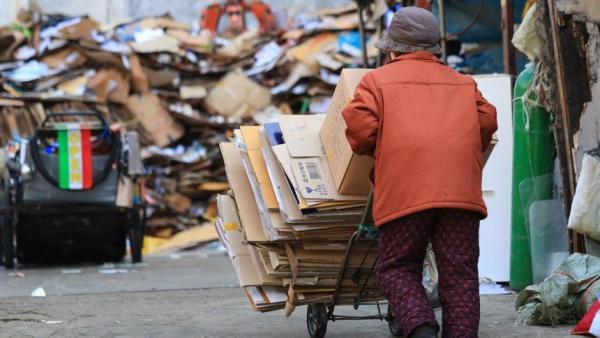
point(533, 161)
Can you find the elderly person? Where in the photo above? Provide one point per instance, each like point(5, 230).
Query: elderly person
point(427, 127)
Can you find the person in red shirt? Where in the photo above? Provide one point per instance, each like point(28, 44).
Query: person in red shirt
point(234, 17)
point(427, 127)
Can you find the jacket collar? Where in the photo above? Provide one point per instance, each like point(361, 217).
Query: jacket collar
point(422, 56)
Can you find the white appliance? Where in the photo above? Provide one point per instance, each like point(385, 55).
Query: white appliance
point(494, 233)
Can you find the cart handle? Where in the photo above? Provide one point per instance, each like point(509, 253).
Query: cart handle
point(366, 221)
point(92, 113)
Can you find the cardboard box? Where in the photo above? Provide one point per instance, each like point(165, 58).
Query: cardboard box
point(238, 96)
point(155, 119)
point(350, 171)
point(244, 197)
point(251, 135)
point(307, 159)
point(287, 198)
point(110, 85)
point(239, 253)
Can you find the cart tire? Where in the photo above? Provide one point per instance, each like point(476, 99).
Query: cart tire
point(136, 236)
point(393, 324)
point(8, 241)
point(316, 320)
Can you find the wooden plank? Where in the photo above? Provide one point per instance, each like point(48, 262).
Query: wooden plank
point(573, 92)
point(442, 18)
point(508, 27)
point(563, 123)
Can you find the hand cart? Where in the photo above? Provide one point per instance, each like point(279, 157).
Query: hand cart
point(318, 315)
point(60, 201)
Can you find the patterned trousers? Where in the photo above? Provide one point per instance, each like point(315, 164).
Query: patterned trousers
point(454, 235)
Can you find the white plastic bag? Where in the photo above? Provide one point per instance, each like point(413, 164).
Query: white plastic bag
point(526, 39)
point(585, 210)
point(430, 277)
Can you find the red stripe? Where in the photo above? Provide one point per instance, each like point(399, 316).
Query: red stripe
point(86, 156)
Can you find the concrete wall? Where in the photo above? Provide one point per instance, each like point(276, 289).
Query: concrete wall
point(111, 11)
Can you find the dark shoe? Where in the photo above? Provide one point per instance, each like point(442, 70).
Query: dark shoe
point(425, 331)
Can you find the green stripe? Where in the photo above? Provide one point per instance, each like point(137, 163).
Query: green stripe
point(63, 159)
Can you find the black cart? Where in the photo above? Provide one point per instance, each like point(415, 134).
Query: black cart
point(44, 221)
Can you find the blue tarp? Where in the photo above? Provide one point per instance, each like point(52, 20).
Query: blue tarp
point(486, 29)
point(461, 13)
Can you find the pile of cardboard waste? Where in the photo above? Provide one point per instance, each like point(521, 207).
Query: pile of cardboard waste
point(297, 195)
point(183, 91)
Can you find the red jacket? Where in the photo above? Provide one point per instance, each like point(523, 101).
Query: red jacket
point(427, 127)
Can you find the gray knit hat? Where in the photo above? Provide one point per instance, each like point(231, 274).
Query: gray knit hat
point(413, 29)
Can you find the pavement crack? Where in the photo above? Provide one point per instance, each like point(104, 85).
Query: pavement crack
point(7, 300)
point(29, 320)
point(31, 312)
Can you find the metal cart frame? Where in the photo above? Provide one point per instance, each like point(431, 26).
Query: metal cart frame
point(319, 314)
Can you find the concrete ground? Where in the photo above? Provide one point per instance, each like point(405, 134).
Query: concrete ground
point(183, 295)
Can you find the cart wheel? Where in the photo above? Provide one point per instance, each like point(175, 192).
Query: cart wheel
point(8, 241)
point(136, 236)
point(393, 324)
point(316, 320)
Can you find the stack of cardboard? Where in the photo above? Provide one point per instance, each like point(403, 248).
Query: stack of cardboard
point(284, 223)
point(183, 91)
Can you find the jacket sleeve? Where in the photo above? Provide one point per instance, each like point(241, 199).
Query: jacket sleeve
point(487, 120)
point(362, 118)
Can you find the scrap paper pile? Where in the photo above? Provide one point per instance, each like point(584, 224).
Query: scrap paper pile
point(284, 223)
point(184, 91)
